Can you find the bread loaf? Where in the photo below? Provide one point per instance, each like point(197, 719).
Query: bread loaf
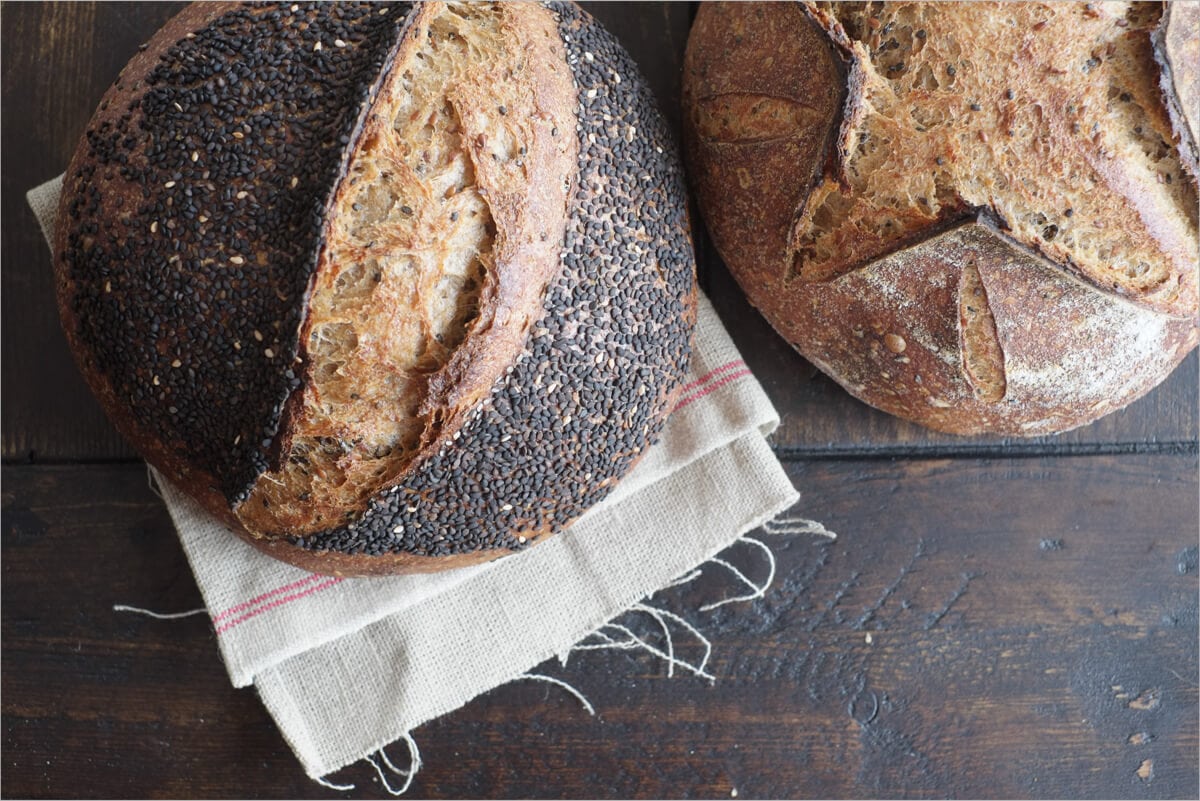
point(980, 217)
point(386, 287)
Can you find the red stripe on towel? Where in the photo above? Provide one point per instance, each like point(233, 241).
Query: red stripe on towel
point(287, 599)
point(235, 609)
point(698, 384)
point(711, 374)
point(711, 388)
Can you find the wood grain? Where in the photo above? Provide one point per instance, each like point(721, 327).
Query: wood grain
point(1015, 649)
point(1033, 620)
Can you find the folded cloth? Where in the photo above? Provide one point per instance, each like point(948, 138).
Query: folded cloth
point(346, 666)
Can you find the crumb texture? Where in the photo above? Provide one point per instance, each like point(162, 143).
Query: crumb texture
point(984, 226)
point(1049, 115)
point(409, 259)
point(594, 385)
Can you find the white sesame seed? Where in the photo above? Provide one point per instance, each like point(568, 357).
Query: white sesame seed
point(108, 286)
point(154, 227)
point(257, 335)
point(237, 439)
point(177, 364)
point(169, 184)
point(589, 56)
point(591, 93)
point(521, 540)
point(177, 107)
point(241, 195)
point(506, 507)
point(411, 508)
point(269, 353)
point(195, 155)
point(339, 43)
point(295, 181)
point(317, 46)
point(237, 260)
point(156, 381)
point(398, 530)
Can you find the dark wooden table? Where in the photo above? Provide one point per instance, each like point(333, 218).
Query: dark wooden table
point(1000, 618)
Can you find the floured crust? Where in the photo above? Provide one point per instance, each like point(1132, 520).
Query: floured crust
point(503, 88)
point(940, 310)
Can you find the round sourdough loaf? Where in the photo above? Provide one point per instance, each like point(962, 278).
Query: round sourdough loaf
point(386, 287)
point(979, 217)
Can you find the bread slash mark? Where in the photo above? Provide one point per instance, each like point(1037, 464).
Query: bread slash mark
point(983, 358)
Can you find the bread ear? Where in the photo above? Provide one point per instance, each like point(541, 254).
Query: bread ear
point(1177, 51)
point(951, 247)
point(554, 330)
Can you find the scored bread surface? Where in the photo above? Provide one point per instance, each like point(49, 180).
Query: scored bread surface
point(975, 216)
point(386, 287)
point(190, 223)
point(599, 374)
point(442, 238)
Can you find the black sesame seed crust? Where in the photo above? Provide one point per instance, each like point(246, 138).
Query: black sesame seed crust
point(193, 221)
point(602, 368)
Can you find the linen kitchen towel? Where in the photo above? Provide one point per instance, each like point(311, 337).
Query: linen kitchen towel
point(347, 666)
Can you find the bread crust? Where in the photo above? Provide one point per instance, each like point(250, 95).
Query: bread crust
point(528, 206)
point(959, 326)
point(578, 351)
point(1177, 50)
point(200, 483)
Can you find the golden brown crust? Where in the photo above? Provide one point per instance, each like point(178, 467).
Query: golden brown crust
point(334, 563)
point(955, 324)
point(512, 99)
point(541, 444)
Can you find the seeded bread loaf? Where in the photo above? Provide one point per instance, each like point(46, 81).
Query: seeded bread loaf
point(386, 287)
point(979, 217)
